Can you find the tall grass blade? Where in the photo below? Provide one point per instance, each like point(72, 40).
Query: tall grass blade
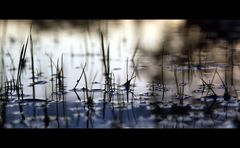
point(32, 67)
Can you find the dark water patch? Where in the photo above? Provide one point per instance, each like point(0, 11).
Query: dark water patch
point(95, 82)
point(38, 83)
point(181, 97)
point(96, 90)
point(149, 94)
point(80, 89)
point(117, 69)
point(60, 93)
point(21, 95)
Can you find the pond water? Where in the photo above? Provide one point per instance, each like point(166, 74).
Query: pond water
point(133, 74)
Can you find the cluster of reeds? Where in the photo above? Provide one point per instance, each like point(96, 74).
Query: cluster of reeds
point(60, 76)
point(21, 65)
point(9, 87)
point(2, 57)
point(127, 84)
point(88, 93)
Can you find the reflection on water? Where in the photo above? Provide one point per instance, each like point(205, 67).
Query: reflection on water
point(119, 74)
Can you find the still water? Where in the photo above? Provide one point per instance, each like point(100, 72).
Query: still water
point(133, 74)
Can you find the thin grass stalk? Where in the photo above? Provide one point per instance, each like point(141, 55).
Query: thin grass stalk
point(32, 67)
point(80, 77)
